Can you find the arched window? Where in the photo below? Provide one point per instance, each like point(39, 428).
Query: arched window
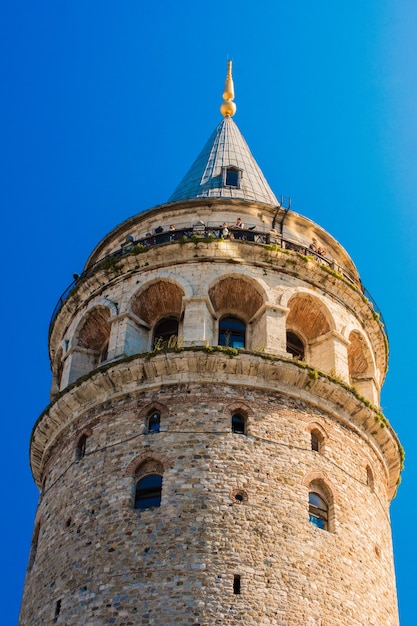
point(295, 346)
point(318, 438)
point(154, 422)
point(34, 546)
point(318, 510)
point(58, 369)
point(232, 332)
point(81, 447)
point(166, 333)
point(148, 491)
point(238, 424)
point(315, 442)
point(370, 478)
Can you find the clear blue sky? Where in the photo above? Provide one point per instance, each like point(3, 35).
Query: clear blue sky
point(104, 107)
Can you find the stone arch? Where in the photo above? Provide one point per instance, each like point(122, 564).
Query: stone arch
point(90, 342)
point(147, 483)
point(158, 299)
point(308, 316)
point(240, 407)
point(145, 460)
point(237, 300)
point(147, 411)
point(145, 465)
point(359, 356)
point(361, 367)
point(243, 410)
point(318, 483)
point(310, 320)
point(236, 295)
point(160, 304)
point(370, 477)
point(318, 475)
point(93, 332)
point(316, 430)
point(82, 443)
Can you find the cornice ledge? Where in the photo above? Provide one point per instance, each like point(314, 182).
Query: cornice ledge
point(216, 365)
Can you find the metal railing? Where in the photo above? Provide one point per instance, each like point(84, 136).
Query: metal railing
point(203, 232)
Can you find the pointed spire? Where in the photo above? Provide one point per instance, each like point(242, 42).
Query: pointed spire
point(226, 151)
point(228, 108)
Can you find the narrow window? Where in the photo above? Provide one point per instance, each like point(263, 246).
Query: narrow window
point(315, 442)
point(238, 424)
point(154, 422)
point(59, 372)
point(295, 346)
point(104, 352)
point(148, 491)
point(81, 448)
point(232, 333)
point(318, 511)
point(57, 609)
point(236, 584)
point(34, 546)
point(369, 478)
point(166, 333)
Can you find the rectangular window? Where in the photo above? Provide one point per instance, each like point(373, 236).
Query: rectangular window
point(232, 178)
point(236, 584)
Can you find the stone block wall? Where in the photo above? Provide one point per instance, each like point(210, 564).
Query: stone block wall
point(100, 561)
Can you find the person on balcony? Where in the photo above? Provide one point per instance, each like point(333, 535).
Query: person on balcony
point(224, 231)
point(314, 246)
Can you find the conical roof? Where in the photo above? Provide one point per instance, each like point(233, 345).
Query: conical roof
point(211, 175)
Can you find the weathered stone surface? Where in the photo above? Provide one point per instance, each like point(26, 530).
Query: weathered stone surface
point(175, 564)
point(233, 505)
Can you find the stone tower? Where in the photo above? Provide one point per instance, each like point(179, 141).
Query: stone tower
point(214, 451)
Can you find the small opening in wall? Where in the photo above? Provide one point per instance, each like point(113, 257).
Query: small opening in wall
point(81, 447)
point(239, 496)
point(68, 522)
point(236, 584)
point(238, 424)
point(295, 346)
point(57, 608)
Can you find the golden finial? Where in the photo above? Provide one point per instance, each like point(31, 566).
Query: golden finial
point(228, 108)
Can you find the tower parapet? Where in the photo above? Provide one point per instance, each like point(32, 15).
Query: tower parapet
point(215, 427)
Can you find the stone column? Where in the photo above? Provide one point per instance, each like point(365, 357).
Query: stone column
point(329, 353)
point(198, 322)
point(268, 330)
point(78, 362)
point(367, 387)
point(129, 335)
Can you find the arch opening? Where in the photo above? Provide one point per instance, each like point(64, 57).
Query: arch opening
point(232, 332)
point(165, 334)
point(295, 346)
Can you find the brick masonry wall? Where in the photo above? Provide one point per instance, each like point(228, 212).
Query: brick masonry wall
point(104, 562)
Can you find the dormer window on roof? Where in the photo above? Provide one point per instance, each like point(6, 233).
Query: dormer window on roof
point(231, 176)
